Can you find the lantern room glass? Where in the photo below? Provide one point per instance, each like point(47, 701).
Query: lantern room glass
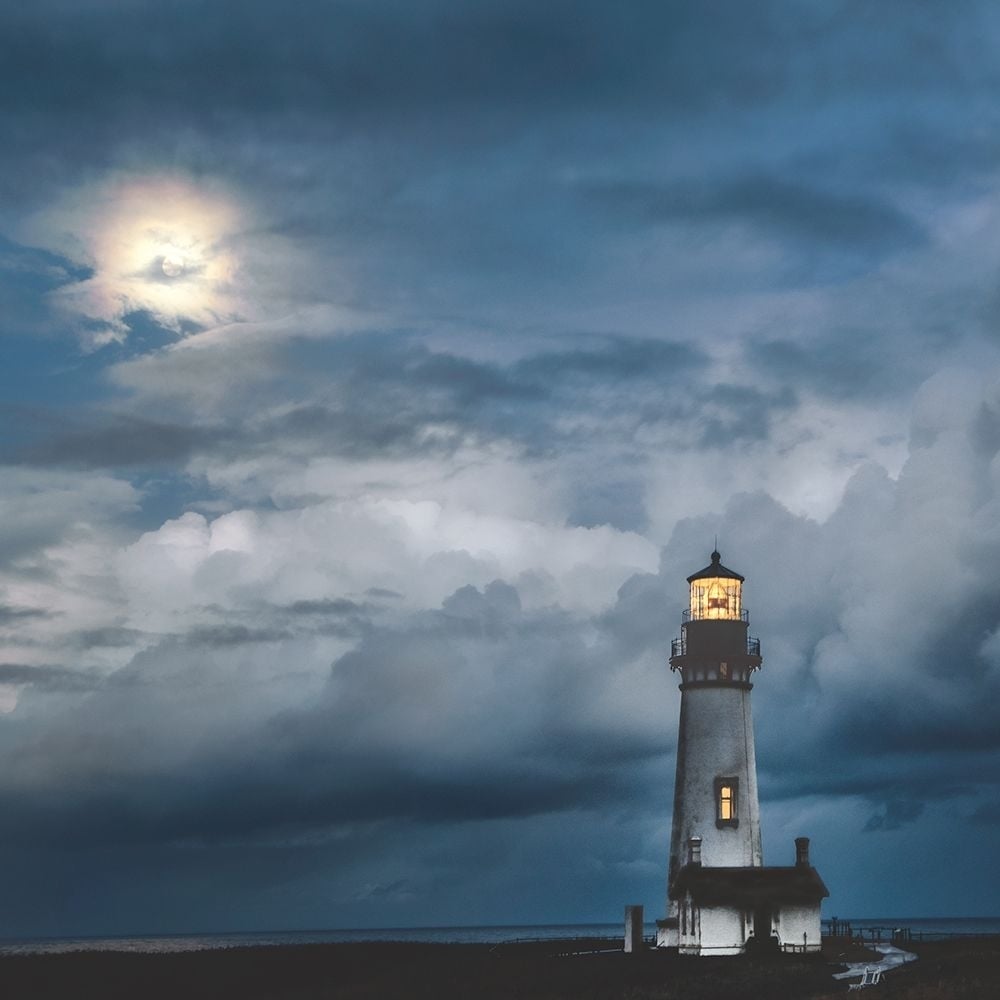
point(716, 597)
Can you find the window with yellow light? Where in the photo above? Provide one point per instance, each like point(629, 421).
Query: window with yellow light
point(726, 802)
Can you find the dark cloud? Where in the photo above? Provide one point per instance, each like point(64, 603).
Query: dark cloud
point(394, 890)
point(578, 51)
point(27, 274)
point(381, 593)
point(338, 607)
point(373, 748)
point(335, 616)
point(897, 813)
point(389, 391)
point(233, 635)
point(459, 94)
point(14, 615)
point(618, 502)
point(40, 519)
point(609, 359)
point(987, 814)
point(109, 440)
point(109, 637)
point(785, 207)
point(734, 413)
point(44, 677)
point(841, 364)
point(363, 57)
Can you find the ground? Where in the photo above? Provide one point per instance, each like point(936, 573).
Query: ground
point(953, 970)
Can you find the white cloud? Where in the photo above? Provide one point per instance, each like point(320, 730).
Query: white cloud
point(423, 550)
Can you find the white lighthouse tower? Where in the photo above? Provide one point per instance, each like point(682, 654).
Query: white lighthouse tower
point(715, 792)
point(720, 897)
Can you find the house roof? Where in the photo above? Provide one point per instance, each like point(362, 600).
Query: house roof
point(716, 569)
point(749, 887)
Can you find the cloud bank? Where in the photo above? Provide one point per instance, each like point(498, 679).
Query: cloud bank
point(374, 376)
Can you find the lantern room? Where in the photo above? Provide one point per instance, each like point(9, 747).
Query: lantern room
point(716, 592)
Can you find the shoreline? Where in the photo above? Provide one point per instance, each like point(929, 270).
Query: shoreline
point(351, 971)
point(868, 931)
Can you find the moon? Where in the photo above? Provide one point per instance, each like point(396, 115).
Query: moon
point(173, 265)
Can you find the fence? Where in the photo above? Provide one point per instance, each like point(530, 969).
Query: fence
point(872, 934)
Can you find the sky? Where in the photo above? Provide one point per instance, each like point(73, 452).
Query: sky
point(373, 375)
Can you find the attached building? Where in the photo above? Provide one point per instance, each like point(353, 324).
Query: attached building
point(723, 911)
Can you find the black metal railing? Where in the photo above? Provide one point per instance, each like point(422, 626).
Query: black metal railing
point(744, 616)
point(678, 647)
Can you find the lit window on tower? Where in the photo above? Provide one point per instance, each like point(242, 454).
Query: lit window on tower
point(726, 802)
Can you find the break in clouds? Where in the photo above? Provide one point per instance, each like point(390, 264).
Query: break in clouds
point(374, 377)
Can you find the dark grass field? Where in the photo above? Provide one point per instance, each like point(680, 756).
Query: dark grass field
point(538, 971)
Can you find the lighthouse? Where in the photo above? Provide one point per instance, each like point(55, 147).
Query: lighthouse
point(715, 790)
point(720, 896)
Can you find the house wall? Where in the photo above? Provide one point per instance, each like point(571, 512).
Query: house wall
point(799, 927)
point(667, 931)
point(711, 930)
point(689, 927)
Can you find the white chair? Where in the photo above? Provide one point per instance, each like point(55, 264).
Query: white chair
point(871, 977)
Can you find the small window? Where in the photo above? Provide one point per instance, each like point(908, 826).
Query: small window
point(726, 802)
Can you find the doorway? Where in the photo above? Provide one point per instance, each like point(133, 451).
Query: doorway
point(762, 939)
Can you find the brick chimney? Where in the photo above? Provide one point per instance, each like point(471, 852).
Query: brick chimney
point(694, 851)
point(801, 852)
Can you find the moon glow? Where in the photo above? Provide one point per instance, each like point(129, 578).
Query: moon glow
point(173, 265)
point(162, 245)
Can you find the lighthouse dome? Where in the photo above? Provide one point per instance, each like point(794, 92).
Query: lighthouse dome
point(715, 569)
point(716, 592)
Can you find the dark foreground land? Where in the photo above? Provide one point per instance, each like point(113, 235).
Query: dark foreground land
point(948, 970)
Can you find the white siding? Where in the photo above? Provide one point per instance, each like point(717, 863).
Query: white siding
point(719, 930)
point(715, 740)
point(799, 927)
point(667, 937)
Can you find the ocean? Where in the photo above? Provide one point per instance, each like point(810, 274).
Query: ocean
point(927, 927)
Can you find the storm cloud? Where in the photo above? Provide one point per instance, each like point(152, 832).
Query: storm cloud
point(374, 375)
